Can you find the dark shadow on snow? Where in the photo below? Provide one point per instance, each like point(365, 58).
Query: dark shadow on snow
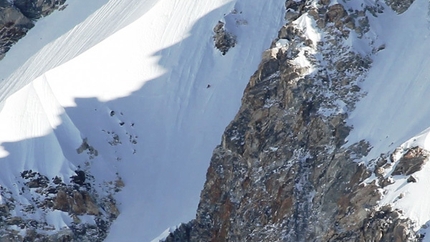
point(161, 147)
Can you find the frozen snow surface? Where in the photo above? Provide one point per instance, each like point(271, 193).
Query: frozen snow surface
point(142, 82)
point(396, 111)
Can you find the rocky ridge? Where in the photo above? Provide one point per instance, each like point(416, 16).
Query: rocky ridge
point(282, 171)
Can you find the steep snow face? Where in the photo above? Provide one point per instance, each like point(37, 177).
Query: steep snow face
point(394, 112)
point(141, 81)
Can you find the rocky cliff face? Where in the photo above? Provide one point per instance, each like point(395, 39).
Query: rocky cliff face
point(87, 205)
point(78, 200)
point(17, 17)
point(282, 171)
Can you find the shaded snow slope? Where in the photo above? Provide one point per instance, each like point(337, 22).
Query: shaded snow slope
point(395, 112)
point(132, 77)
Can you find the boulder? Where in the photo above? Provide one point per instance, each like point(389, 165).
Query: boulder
point(223, 39)
point(411, 162)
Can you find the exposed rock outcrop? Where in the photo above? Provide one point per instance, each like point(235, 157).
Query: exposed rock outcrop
point(411, 162)
point(13, 26)
point(78, 199)
point(34, 9)
point(283, 171)
point(223, 39)
point(181, 234)
point(294, 9)
point(400, 6)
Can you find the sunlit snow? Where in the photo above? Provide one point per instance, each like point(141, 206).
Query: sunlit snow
point(395, 112)
point(143, 83)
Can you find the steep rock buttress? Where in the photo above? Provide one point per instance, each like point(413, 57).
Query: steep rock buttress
point(283, 171)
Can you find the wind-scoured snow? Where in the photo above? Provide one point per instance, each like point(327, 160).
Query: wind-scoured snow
point(395, 107)
point(142, 82)
point(395, 112)
point(64, 35)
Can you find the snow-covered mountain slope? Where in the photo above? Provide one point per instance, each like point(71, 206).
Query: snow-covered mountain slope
point(134, 92)
point(328, 144)
point(394, 108)
point(395, 112)
point(140, 84)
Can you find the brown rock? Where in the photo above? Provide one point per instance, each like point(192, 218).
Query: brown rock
point(119, 184)
point(325, 2)
point(349, 22)
point(379, 171)
point(111, 207)
point(335, 13)
point(4, 210)
point(223, 39)
point(14, 221)
point(13, 26)
point(36, 9)
point(61, 201)
point(400, 6)
point(294, 9)
point(78, 205)
point(401, 233)
point(91, 206)
point(288, 32)
point(386, 181)
point(12, 17)
point(411, 162)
